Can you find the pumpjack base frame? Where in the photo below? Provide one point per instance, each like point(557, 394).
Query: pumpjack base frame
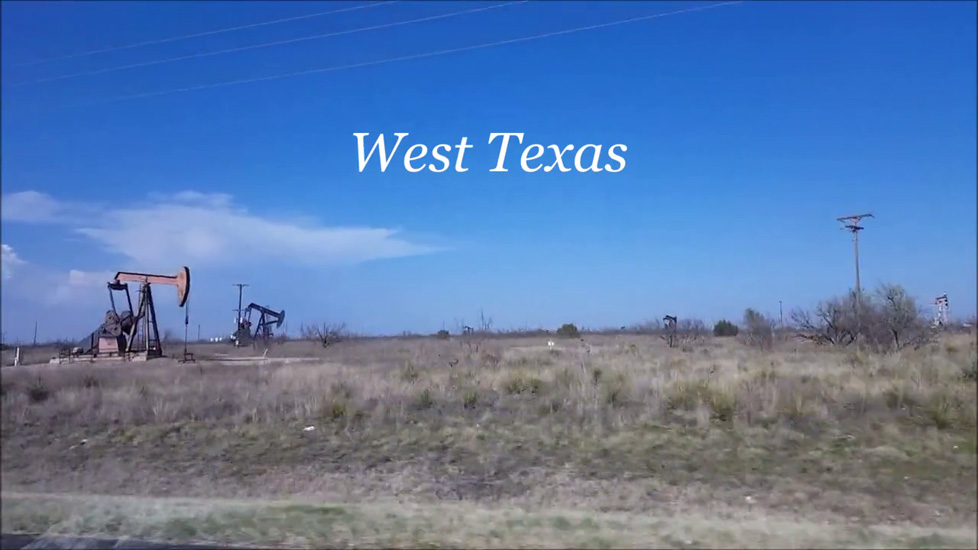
point(136, 357)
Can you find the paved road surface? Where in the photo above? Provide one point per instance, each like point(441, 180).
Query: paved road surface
point(32, 542)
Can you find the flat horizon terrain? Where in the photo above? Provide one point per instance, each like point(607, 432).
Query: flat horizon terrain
point(622, 442)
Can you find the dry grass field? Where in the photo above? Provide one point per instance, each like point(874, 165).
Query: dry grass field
point(431, 443)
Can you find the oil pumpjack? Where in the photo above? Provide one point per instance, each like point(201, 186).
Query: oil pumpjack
point(125, 335)
point(267, 319)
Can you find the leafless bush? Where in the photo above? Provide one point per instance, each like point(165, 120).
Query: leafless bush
point(889, 319)
point(689, 331)
point(897, 321)
point(758, 330)
point(522, 332)
point(653, 326)
point(832, 322)
point(327, 335)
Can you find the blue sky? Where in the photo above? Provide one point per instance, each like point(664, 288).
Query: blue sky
point(749, 128)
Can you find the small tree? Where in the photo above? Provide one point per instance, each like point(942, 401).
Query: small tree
point(896, 321)
point(725, 329)
point(327, 335)
point(832, 322)
point(442, 334)
point(758, 330)
point(568, 330)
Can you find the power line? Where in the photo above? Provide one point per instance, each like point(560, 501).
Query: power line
point(195, 35)
point(392, 59)
point(264, 45)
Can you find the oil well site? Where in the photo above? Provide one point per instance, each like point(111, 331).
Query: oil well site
point(747, 435)
point(130, 330)
point(508, 274)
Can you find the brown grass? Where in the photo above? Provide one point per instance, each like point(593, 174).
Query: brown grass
point(631, 432)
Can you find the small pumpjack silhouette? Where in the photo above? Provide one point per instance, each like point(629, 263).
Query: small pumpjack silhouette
point(262, 333)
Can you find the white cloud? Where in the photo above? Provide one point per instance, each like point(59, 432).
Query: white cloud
point(80, 285)
point(29, 206)
point(9, 261)
point(201, 229)
point(51, 287)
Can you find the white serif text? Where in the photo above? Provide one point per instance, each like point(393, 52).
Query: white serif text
point(533, 157)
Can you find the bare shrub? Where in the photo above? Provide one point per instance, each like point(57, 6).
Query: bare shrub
point(896, 321)
point(38, 391)
point(758, 330)
point(689, 331)
point(832, 322)
point(888, 319)
point(326, 335)
point(653, 326)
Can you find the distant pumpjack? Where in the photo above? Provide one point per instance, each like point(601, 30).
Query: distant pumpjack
point(267, 319)
point(670, 329)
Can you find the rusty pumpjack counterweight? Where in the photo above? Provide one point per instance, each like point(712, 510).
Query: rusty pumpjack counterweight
point(124, 335)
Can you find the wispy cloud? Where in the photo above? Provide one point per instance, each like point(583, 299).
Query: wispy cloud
point(50, 286)
point(208, 229)
point(30, 206)
point(9, 262)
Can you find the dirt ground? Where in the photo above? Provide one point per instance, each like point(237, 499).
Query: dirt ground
point(622, 442)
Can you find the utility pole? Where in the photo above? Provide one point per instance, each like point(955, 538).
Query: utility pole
point(851, 224)
point(35, 333)
point(240, 295)
point(780, 316)
point(237, 322)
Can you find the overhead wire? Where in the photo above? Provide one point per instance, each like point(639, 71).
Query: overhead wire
point(199, 34)
point(396, 59)
point(268, 44)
